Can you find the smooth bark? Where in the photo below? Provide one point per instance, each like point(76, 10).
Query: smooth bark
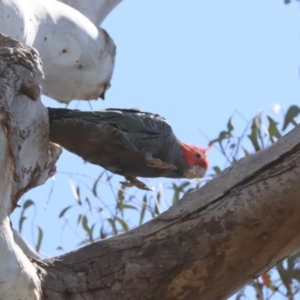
point(78, 56)
point(95, 10)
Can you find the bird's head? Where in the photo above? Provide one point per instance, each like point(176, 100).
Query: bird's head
point(195, 158)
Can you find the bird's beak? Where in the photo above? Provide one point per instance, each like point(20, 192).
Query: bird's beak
point(195, 172)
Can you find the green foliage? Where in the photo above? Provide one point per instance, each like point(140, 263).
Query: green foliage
point(288, 1)
point(26, 205)
point(143, 210)
point(290, 116)
point(179, 190)
point(40, 238)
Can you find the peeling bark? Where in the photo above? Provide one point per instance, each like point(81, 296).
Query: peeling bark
point(27, 158)
point(216, 240)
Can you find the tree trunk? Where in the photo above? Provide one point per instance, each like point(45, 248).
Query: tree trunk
point(26, 158)
point(209, 245)
point(216, 240)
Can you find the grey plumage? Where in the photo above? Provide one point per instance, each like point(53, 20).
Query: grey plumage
point(124, 141)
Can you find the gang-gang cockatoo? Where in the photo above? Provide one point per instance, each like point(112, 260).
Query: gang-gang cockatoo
point(127, 142)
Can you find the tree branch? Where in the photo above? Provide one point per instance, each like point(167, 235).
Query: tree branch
point(216, 240)
point(78, 57)
point(94, 10)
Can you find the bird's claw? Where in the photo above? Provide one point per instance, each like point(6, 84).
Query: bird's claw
point(157, 163)
point(132, 181)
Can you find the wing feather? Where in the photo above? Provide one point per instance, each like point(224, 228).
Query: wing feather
point(129, 120)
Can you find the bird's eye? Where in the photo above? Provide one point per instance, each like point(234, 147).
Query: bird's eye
point(198, 155)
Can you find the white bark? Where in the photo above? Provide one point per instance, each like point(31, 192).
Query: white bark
point(78, 57)
point(24, 246)
point(26, 159)
point(95, 10)
point(18, 277)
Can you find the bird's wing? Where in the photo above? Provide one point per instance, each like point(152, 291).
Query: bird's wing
point(129, 120)
point(134, 121)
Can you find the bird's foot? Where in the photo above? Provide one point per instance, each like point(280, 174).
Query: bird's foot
point(132, 181)
point(157, 163)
